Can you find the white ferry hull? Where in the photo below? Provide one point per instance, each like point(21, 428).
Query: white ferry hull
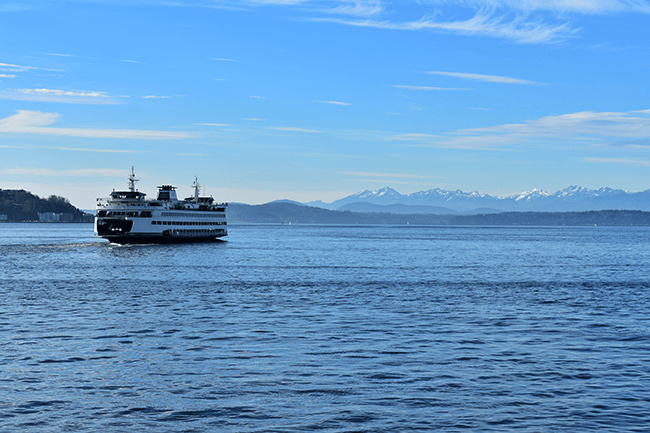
point(127, 218)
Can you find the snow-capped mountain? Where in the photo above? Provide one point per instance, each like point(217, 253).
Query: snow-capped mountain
point(573, 198)
point(385, 195)
point(535, 194)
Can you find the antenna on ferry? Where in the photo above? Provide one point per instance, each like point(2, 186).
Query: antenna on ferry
point(197, 188)
point(132, 180)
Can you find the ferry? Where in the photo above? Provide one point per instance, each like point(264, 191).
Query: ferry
point(127, 217)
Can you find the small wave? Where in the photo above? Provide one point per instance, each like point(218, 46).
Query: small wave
point(55, 361)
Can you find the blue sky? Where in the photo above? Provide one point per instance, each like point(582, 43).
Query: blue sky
point(315, 100)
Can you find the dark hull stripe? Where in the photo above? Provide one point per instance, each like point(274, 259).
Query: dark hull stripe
point(160, 239)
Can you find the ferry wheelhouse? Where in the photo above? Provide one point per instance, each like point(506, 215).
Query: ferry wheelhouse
point(128, 217)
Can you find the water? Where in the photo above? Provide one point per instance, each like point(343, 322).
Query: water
point(326, 328)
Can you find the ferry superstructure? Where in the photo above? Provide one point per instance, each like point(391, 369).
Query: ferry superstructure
point(128, 217)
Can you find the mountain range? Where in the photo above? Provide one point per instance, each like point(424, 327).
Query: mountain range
point(438, 201)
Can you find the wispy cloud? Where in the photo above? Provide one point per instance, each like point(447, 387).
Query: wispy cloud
point(155, 97)
point(291, 129)
point(59, 95)
point(521, 21)
point(412, 137)
point(517, 29)
point(333, 103)
point(392, 175)
point(36, 122)
point(623, 161)
point(84, 172)
point(258, 97)
point(332, 7)
point(582, 128)
point(481, 77)
point(392, 181)
point(58, 92)
point(10, 67)
point(58, 54)
point(215, 124)
point(359, 8)
point(8, 76)
point(225, 60)
point(402, 86)
point(14, 68)
point(581, 125)
point(83, 149)
point(559, 6)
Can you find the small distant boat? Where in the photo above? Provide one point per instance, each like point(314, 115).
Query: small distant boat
point(127, 217)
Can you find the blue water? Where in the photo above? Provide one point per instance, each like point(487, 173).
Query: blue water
point(326, 328)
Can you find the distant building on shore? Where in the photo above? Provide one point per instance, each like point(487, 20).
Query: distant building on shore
point(51, 217)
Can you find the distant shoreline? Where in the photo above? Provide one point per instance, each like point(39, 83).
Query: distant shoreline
point(277, 213)
point(22, 206)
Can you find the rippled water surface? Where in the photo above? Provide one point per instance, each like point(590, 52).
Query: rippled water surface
point(326, 328)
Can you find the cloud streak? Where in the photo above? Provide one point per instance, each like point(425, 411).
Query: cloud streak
point(560, 6)
point(623, 161)
point(84, 172)
point(59, 95)
point(292, 129)
point(333, 103)
point(15, 68)
point(520, 21)
point(518, 29)
point(480, 77)
point(357, 8)
point(581, 125)
point(38, 123)
point(402, 86)
point(587, 127)
point(392, 175)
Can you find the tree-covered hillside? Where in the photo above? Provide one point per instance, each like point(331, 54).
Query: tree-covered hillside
point(21, 205)
point(589, 218)
point(275, 213)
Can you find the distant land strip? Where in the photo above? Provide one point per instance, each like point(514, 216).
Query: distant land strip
point(277, 213)
point(22, 206)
